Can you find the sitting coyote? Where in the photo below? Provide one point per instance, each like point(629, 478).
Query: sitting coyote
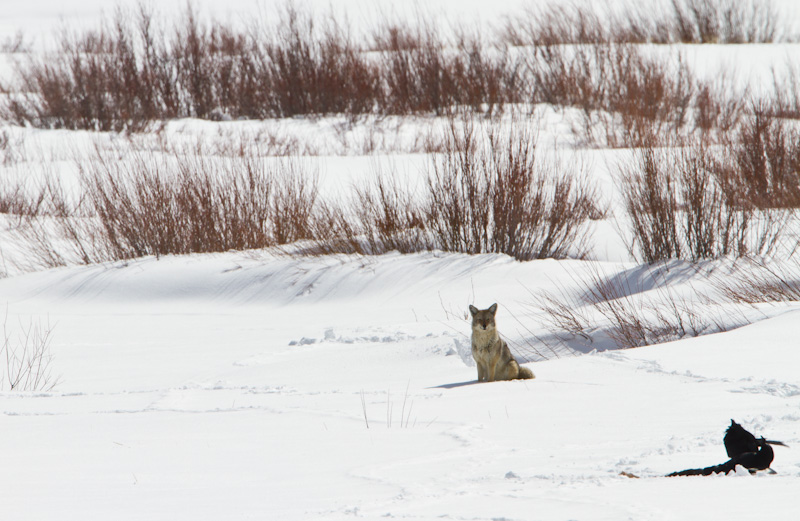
point(490, 351)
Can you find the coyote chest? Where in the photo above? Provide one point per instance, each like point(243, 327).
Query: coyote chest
point(484, 342)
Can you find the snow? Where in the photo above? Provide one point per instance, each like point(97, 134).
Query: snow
point(259, 385)
point(186, 391)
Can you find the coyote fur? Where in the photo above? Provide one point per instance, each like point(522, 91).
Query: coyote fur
point(491, 352)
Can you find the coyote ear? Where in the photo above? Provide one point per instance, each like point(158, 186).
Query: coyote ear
point(473, 310)
point(493, 309)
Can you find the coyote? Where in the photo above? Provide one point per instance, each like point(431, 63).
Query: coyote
point(491, 352)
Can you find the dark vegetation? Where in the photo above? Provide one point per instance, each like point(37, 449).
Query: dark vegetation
point(632, 308)
point(486, 192)
point(133, 70)
point(715, 172)
point(698, 203)
point(128, 74)
point(674, 21)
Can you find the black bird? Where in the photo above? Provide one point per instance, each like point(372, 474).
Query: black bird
point(743, 449)
point(738, 441)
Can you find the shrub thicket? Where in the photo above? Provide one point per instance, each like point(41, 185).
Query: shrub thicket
point(696, 202)
point(132, 70)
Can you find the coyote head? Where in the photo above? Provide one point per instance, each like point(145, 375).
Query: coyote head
point(483, 319)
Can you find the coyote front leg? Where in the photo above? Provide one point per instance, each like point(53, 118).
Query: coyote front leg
point(481, 372)
point(492, 370)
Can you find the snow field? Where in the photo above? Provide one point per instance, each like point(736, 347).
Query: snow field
point(182, 395)
point(258, 385)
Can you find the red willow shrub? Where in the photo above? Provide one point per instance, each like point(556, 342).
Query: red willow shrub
point(696, 202)
point(489, 193)
point(128, 73)
point(132, 71)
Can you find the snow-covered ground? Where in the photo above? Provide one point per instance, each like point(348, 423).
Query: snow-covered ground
point(240, 387)
point(258, 385)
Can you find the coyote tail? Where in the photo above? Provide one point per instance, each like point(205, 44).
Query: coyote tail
point(525, 373)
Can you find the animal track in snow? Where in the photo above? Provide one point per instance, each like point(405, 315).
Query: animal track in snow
point(372, 337)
